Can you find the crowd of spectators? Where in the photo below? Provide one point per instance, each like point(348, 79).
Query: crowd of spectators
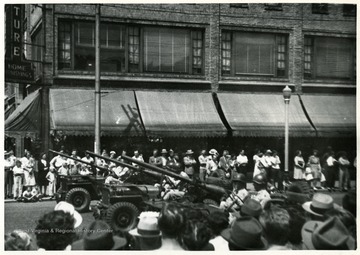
point(319, 224)
point(42, 175)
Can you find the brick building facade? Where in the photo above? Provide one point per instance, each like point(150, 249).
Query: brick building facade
point(218, 49)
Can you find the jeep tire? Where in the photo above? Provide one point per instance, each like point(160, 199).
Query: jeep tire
point(79, 198)
point(122, 216)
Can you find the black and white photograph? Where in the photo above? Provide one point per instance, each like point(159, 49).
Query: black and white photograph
point(203, 126)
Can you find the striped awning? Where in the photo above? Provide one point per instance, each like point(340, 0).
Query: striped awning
point(332, 115)
point(263, 115)
point(73, 112)
point(179, 114)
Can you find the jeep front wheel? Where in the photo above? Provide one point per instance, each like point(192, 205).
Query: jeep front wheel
point(79, 198)
point(122, 216)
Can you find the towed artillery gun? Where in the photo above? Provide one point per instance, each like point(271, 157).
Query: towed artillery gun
point(121, 204)
point(79, 190)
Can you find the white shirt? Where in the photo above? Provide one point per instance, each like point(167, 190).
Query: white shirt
point(18, 170)
point(219, 243)
point(330, 161)
point(275, 161)
point(242, 159)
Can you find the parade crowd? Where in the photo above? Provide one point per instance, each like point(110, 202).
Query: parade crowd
point(39, 176)
point(248, 220)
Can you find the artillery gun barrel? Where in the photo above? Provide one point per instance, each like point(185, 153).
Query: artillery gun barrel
point(209, 187)
point(78, 160)
point(154, 174)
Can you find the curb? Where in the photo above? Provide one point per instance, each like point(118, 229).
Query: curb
point(14, 201)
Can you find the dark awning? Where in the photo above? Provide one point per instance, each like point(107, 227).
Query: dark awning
point(263, 115)
point(179, 114)
point(332, 115)
point(72, 111)
point(26, 118)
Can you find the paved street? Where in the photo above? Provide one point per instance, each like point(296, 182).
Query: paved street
point(24, 215)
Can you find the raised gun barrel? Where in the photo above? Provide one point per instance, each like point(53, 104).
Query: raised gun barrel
point(78, 160)
point(154, 174)
point(209, 187)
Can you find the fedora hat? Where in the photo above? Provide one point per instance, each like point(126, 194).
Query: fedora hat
point(328, 235)
point(163, 151)
point(320, 204)
point(69, 208)
point(189, 152)
point(213, 152)
point(148, 225)
point(245, 234)
point(251, 207)
point(99, 236)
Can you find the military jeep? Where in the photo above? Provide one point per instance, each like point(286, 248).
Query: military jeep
point(79, 190)
point(121, 204)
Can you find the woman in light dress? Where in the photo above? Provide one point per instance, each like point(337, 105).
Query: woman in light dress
point(299, 166)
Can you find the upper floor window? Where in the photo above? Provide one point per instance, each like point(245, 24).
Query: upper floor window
point(349, 10)
point(130, 48)
point(329, 58)
point(254, 54)
point(273, 7)
point(320, 8)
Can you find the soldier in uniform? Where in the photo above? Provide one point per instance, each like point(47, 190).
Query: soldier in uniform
point(261, 194)
point(238, 194)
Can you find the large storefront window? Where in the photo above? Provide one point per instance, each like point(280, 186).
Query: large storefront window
point(329, 58)
point(254, 54)
point(112, 43)
point(130, 49)
point(166, 50)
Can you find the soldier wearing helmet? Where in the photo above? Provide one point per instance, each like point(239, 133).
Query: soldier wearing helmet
point(238, 194)
point(261, 194)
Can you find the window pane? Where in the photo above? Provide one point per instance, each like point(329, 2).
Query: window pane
point(84, 33)
point(166, 50)
point(254, 53)
point(333, 57)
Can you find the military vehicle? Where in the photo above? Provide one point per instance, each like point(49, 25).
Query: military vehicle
point(79, 190)
point(121, 204)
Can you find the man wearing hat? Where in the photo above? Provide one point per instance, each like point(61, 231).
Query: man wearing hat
point(155, 159)
point(189, 163)
point(202, 161)
point(245, 234)
point(212, 164)
point(147, 233)
point(238, 194)
point(172, 163)
point(328, 235)
point(319, 205)
point(163, 157)
point(99, 236)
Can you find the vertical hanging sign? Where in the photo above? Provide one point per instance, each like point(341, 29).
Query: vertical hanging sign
point(16, 68)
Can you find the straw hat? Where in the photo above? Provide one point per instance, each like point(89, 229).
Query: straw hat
point(69, 208)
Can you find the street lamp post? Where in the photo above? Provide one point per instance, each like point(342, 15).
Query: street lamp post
point(286, 95)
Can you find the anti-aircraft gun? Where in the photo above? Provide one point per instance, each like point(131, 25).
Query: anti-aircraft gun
point(121, 204)
point(79, 189)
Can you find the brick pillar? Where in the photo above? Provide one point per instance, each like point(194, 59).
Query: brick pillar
point(213, 47)
point(296, 53)
point(48, 71)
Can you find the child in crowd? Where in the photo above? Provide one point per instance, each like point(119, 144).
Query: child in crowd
point(18, 179)
point(50, 176)
point(35, 192)
point(27, 196)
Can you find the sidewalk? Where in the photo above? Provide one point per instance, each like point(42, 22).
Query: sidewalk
point(11, 200)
